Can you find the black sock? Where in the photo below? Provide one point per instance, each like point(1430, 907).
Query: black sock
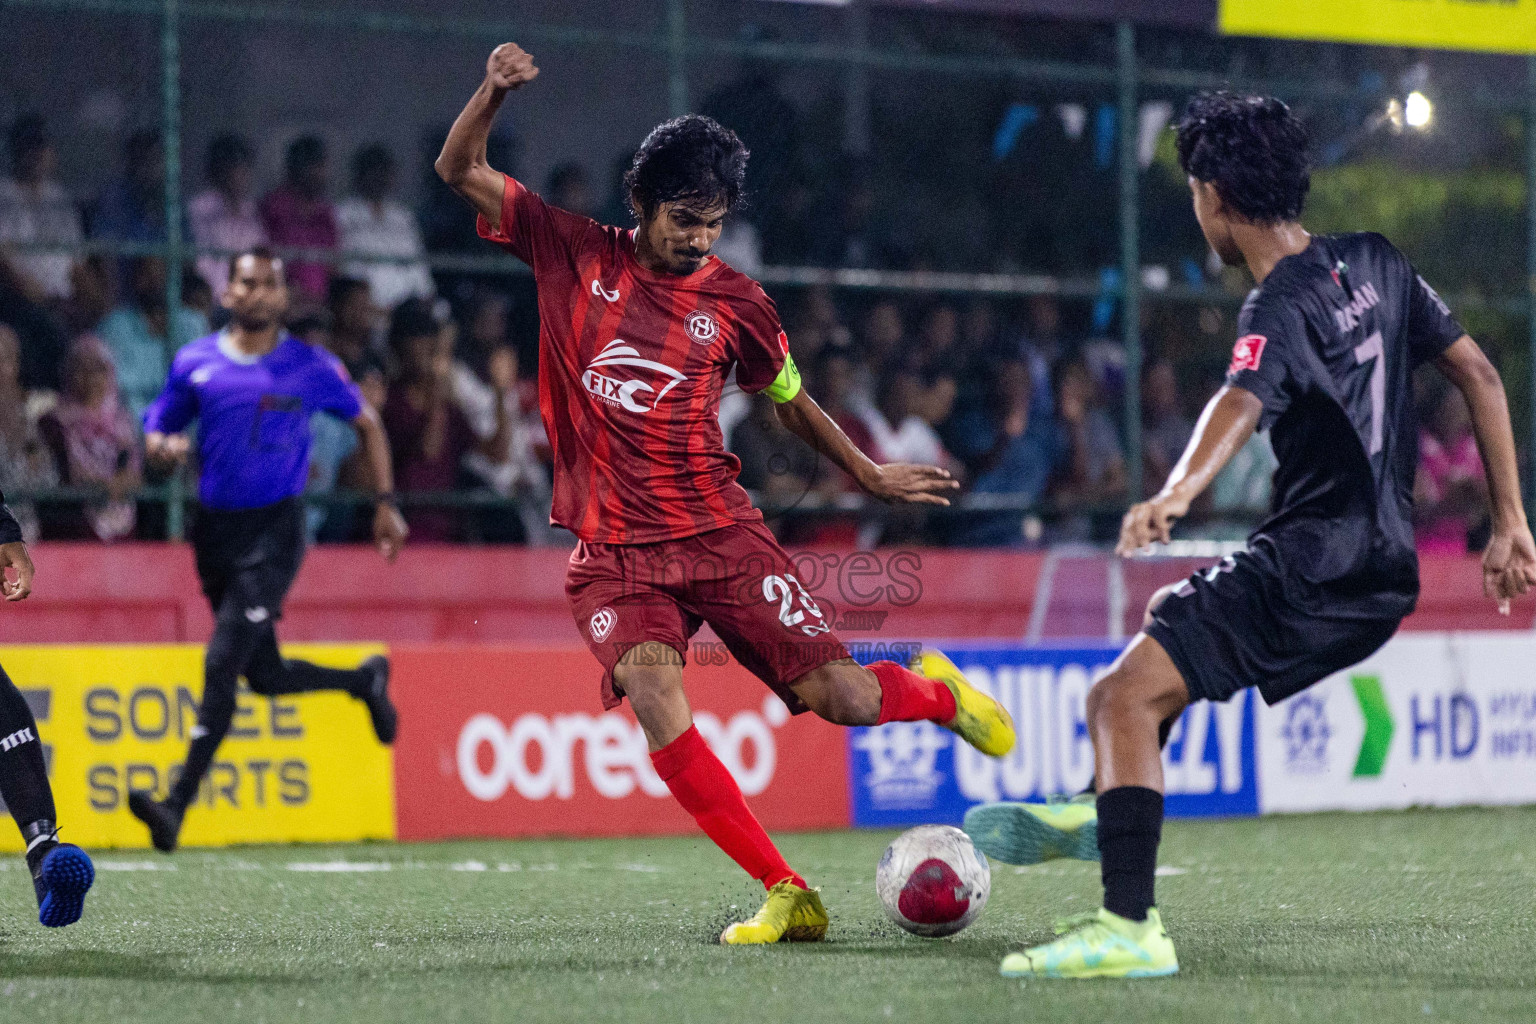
point(199, 759)
point(1130, 827)
point(272, 675)
point(40, 837)
point(229, 649)
point(23, 771)
point(1164, 728)
point(305, 677)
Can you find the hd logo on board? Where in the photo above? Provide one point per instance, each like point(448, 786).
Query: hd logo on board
point(1435, 719)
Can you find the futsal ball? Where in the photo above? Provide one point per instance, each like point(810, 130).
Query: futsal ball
point(932, 881)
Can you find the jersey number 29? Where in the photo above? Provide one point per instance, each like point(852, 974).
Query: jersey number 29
point(785, 589)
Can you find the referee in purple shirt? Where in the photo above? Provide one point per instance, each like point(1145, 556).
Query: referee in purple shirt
point(252, 387)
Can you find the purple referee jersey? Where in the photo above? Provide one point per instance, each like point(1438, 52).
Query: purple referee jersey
point(253, 413)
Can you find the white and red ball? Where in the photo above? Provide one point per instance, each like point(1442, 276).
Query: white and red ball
point(932, 881)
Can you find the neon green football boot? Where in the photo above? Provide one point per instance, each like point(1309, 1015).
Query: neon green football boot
point(1099, 944)
point(1019, 833)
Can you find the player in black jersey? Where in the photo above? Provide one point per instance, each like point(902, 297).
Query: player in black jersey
point(1327, 346)
point(61, 872)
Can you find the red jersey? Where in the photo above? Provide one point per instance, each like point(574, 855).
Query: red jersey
point(631, 367)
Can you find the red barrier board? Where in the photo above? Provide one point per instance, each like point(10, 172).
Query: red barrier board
point(445, 594)
point(513, 741)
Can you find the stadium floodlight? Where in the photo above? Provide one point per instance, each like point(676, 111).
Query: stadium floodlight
point(1417, 110)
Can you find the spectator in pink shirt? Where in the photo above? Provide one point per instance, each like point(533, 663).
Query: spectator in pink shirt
point(298, 214)
point(1450, 491)
point(223, 216)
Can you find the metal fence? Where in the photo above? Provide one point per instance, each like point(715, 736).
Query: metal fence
point(680, 36)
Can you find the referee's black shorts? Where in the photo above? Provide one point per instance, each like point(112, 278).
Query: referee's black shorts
point(250, 556)
point(1231, 627)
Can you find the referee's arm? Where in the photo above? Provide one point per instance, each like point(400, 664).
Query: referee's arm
point(389, 529)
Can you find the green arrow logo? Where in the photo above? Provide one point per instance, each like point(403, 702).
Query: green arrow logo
point(1378, 726)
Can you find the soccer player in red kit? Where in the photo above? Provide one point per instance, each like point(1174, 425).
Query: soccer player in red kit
point(638, 330)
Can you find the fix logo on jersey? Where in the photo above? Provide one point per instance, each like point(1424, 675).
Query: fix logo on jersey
point(604, 293)
point(701, 327)
point(1248, 352)
point(629, 395)
point(603, 621)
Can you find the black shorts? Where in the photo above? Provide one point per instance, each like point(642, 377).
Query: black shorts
point(250, 556)
point(1232, 626)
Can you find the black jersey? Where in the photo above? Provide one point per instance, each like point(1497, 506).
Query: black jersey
point(1329, 343)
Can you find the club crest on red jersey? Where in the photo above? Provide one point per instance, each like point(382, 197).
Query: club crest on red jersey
point(1248, 352)
point(701, 327)
point(603, 621)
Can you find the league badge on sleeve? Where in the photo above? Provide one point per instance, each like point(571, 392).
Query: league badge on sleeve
point(1247, 353)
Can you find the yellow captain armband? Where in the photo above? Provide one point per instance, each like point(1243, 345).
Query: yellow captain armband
point(787, 384)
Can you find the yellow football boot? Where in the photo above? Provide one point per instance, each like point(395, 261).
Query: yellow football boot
point(790, 914)
point(979, 720)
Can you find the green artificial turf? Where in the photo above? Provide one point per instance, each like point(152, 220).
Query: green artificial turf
point(1381, 917)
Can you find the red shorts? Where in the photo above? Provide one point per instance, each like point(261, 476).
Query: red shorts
point(736, 578)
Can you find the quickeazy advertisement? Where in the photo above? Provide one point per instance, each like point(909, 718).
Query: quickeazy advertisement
point(116, 718)
point(1501, 25)
point(1433, 719)
point(514, 741)
point(908, 773)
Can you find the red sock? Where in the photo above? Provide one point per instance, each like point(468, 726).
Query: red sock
point(706, 790)
point(906, 696)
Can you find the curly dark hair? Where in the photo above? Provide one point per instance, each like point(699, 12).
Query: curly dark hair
point(691, 159)
point(1252, 148)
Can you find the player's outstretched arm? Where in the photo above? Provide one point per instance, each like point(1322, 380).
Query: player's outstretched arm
point(14, 556)
point(389, 529)
point(894, 481)
point(1229, 420)
point(1509, 563)
point(462, 164)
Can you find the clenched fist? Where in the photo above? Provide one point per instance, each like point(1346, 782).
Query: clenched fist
point(510, 67)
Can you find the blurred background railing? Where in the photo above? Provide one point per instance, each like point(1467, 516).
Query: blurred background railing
point(966, 218)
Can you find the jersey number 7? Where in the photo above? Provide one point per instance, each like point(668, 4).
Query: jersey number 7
point(1372, 348)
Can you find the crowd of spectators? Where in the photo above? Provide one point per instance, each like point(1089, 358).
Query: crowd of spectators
point(1021, 399)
